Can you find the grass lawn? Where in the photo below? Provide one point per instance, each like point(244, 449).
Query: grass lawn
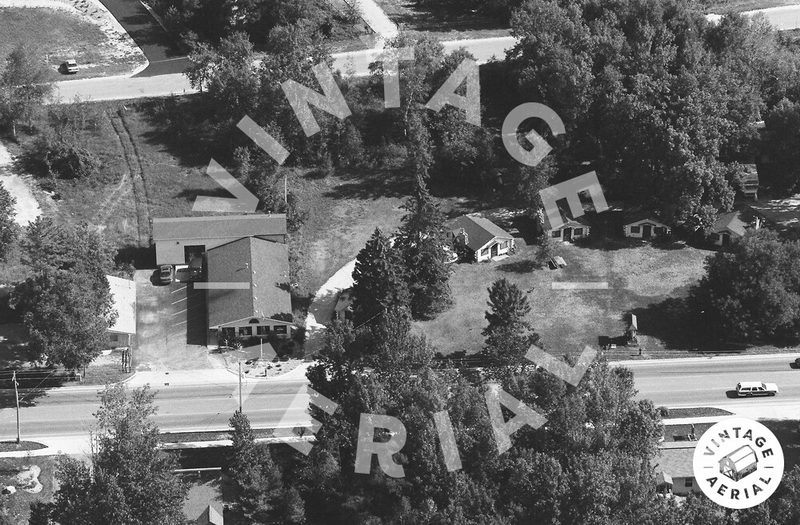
point(19, 503)
point(57, 36)
point(722, 7)
point(638, 276)
point(442, 25)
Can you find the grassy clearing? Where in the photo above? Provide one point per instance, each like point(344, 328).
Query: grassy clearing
point(638, 276)
point(57, 36)
point(447, 26)
point(675, 413)
point(722, 7)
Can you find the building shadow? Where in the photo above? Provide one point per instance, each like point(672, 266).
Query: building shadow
point(196, 316)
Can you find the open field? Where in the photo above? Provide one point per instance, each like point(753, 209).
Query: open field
point(58, 35)
point(442, 24)
point(722, 7)
point(638, 277)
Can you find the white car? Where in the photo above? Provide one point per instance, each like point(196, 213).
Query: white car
point(755, 388)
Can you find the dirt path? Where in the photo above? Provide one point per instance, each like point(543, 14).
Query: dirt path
point(26, 208)
point(136, 173)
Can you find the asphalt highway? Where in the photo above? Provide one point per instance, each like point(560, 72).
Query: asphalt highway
point(68, 411)
point(711, 381)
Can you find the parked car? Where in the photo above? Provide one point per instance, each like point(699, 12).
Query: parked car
point(797, 362)
point(69, 67)
point(165, 274)
point(755, 388)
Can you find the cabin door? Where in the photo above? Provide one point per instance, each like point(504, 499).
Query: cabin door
point(647, 231)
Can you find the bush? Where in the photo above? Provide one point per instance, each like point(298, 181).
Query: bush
point(61, 159)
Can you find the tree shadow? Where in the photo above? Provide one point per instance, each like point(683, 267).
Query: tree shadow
point(661, 319)
point(141, 257)
point(367, 184)
point(520, 266)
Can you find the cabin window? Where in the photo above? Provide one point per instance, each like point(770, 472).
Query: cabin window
point(504, 245)
point(689, 482)
point(578, 232)
point(246, 330)
point(714, 237)
point(255, 321)
point(280, 329)
point(485, 251)
point(262, 330)
point(556, 233)
point(636, 229)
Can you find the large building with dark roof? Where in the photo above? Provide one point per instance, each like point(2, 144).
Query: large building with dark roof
point(257, 301)
point(182, 239)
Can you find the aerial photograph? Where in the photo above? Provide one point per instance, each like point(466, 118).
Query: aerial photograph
point(366, 262)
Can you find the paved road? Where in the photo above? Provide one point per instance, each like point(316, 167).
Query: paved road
point(68, 411)
point(154, 42)
point(355, 63)
point(711, 381)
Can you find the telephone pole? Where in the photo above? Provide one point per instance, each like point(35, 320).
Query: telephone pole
point(240, 387)
point(16, 394)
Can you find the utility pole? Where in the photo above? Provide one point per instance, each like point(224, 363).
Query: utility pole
point(285, 189)
point(16, 394)
point(240, 387)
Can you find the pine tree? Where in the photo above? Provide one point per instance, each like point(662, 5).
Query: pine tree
point(379, 279)
point(256, 477)
point(422, 243)
point(508, 305)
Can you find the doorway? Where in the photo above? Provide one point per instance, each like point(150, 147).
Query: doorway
point(647, 231)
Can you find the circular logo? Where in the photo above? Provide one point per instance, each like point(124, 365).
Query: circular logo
point(738, 463)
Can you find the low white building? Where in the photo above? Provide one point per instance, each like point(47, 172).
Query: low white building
point(481, 236)
point(644, 226)
point(123, 294)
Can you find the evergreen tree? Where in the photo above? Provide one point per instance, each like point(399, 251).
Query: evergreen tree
point(379, 279)
point(508, 308)
point(8, 230)
point(422, 243)
point(257, 479)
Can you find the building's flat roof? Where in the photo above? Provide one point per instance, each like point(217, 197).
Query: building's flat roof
point(219, 227)
point(261, 263)
point(123, 293)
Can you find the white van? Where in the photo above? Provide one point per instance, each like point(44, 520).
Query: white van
point(754, 388)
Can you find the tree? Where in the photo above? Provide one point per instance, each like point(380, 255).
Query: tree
point(8, 229)
point(23, 86)
point(259, 488)
point(379, 280)
point(69, 289)
point(508, 307)
point(751, 291)
point(781, 144)
point(130, 479)
point(421, 241)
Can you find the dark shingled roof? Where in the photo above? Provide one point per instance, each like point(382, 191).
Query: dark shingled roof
point(731, 221)
point(219, 227)
point(676, 462)
point(479, 230)
point(263, 264)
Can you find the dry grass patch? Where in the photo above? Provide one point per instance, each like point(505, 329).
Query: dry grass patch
point(567, 320)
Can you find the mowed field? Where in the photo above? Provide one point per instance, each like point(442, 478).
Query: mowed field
point(57, 36)
point(640, 278)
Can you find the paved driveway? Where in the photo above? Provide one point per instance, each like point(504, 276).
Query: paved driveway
point(156, 44)
point(171, 327)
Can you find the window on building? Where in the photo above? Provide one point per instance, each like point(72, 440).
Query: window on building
point(556, 233)
point(714, 237)
point(485, 251)
point(228, 333)
point(689, 482)
point(636, 229)
point(280, 329)
point(504, 245)
point(262, 330)
point(245, 330)
point(578, 232)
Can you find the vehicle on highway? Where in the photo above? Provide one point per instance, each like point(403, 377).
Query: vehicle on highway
point(165, 274)
point(69, 67)
point(755, 388)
